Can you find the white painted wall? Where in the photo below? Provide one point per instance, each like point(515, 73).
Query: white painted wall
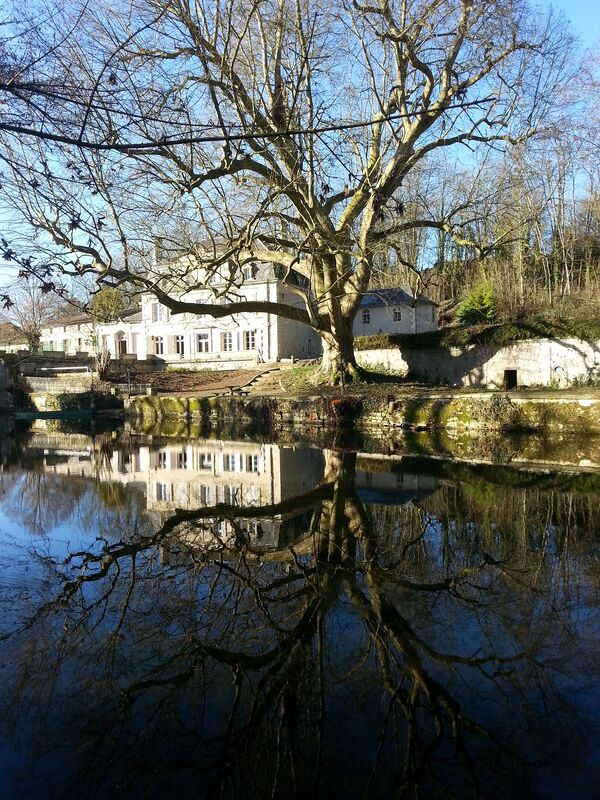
point(538, 362)
point(69, 338)
point(420, 319)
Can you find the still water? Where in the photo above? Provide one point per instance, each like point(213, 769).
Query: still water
point(205, 618)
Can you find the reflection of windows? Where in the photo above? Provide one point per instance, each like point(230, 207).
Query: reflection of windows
point(251, 463)
point(249, 340)
point(228, 462)
point(161, 460)
point(202, 343)
point(227, 342)
point(204, 495)
point(230, 495)
point(159, 345)
point(163, 492)
point(366, 317)
point(180, 345)
point(252, 496)
point(182, 460)
point(205, 461)
point(397, 315)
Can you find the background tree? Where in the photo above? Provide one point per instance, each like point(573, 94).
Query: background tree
point(30, 309)
point(108, 303)
point(278, 131)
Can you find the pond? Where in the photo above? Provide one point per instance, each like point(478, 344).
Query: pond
point(187, 617)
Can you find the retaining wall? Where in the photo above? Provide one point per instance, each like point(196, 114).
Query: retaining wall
point(537, 362)
point(454, 411)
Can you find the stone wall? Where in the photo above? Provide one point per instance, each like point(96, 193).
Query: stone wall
point(537, 362)
point(59, 383)
point(452, 410)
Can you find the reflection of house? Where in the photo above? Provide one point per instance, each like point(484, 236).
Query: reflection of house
point(392, 488)
point(202, 474)
point(192, 475)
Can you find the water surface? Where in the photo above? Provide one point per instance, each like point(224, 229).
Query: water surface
point(207, 618)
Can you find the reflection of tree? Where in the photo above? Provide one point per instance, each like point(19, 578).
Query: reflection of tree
point(41, 501)
point(386, 653)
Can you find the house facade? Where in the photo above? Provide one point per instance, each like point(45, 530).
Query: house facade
point(246, 338)
point(69, 335)
point(395, 311)
point(152, 332)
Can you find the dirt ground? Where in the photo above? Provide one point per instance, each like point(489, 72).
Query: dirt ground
point(175, 381)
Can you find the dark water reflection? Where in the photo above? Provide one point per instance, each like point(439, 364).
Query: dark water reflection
point(197, 618)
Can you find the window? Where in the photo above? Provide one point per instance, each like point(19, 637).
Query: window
point(366, 317)
point(159, 313)
point(251, 463)
point(397, 313)
point(227, 342)
point(433, 313)
point(159, 345)
point(161, 461)
point(229, 462)
point(182, 460)
point(249, 340)
point(202, 343)
point(247, 273)
point(180, 345)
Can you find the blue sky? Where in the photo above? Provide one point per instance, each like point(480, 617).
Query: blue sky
point(585, 17)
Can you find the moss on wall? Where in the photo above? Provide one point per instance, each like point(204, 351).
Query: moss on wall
point(454, 411)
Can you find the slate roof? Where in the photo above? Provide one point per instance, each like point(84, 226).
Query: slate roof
point(398, 296)
point(68, 319)
point(131, 315)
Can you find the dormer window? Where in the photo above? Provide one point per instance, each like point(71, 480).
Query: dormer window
point(397, 314)
point(160, 313)
point(366, 317)
point(247, 273)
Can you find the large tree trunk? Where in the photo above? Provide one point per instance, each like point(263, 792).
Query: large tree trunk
point(339, 362)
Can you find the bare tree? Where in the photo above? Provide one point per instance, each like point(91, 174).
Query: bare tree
point(278, 131)
point(29, 308)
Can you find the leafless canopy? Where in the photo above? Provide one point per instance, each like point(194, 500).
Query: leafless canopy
point(280, 130)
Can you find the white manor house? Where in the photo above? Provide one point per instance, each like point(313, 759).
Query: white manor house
point(253, 338)
point(153, 333)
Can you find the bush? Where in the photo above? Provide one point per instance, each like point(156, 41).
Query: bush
point(82, 401)
point(479, 305)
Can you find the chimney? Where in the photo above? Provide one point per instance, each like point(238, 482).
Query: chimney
point(158, 250)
